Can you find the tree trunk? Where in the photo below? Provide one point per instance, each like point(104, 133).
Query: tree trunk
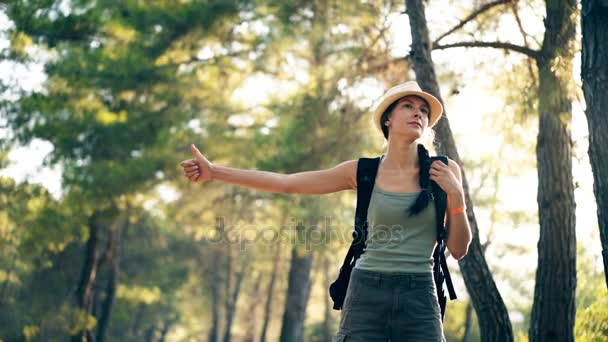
point(216, 286)
point(252, 319)
point(164, 331)
point(231, 307)
point(136, 320)
point(7, 278)
point(149, 334)
point(114, 257)
point(491, 311)
point(594, 72)
point(215, 307)
point(84, 291)
point(292, 329)
point(468, 323)
point(327, 321)
point(553, 310)
point(270, 292)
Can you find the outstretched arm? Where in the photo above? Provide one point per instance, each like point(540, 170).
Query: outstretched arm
point(339, 178)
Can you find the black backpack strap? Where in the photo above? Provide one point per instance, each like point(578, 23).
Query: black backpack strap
point(367, 168)
point(441, 202)
point(440, 269)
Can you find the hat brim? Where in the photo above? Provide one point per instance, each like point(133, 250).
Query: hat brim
point(436, 108)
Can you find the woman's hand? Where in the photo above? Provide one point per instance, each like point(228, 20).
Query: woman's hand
point(198, 169)
point(445, 176)
point(449, 178)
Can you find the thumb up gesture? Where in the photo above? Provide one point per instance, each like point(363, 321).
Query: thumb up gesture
point(197, 169)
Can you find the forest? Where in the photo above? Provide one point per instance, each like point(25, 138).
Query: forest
point(102, 238)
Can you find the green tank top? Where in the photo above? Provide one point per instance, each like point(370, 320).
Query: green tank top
point(397, 242)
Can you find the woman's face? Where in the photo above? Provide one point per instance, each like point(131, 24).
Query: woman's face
point(410, 117)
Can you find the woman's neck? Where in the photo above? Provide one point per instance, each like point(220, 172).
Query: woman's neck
point(401, 155)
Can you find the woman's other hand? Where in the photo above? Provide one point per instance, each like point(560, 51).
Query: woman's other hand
point(448, 177)
point(197, 169)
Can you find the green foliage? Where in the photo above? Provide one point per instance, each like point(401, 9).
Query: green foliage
point(592, 322)
point(113, 99)
point(75, 319)
point(591, 299)
point(116, 108)
point(454, 321)
point(130, 85)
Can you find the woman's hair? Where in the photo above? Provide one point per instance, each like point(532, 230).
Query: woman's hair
point(424, 163)
point(384, 117)
point(426, 195)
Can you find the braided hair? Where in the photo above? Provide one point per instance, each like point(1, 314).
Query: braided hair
point(426, 195)
point(424, 162)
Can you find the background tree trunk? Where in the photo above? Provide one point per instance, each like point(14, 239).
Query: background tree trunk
point(594, 73)
point(466, 337)
point(270, 291)
point(327, 321)
point(114, 258)
point(553, 310)
point(491, 311)
point(234, 296)
point(292, 329)
point(216, 286)
point(253, 301)
point(88, 275)
point(227, 282)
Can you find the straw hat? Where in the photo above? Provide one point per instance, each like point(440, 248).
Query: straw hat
point(404, 89)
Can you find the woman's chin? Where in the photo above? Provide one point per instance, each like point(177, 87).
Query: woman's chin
point(409, 135)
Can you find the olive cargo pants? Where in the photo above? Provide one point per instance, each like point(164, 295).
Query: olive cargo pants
point(390, 307)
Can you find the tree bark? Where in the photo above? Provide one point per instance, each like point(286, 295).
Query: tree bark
point(292, 329)
point(216, 285)
point(468, 323)
point(149, 334)
point(106, 310)
point(88, 275)
point(252, 320)
point(553, 310)
point(234, 296)
point(491, 311)
point(5, 283)
point(270, 291)
point(327, 321)
point(594, 73)
point(136, 320)
point(164, 331)
point(215, 307)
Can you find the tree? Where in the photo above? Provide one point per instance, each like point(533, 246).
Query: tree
point(553, 310)
point(310, 116)
point(491, 311)
point(113, 99)
point(594, 73)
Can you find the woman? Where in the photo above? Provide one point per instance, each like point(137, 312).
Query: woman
point(391, 295)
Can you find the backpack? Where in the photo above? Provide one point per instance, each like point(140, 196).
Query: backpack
point(367, 168)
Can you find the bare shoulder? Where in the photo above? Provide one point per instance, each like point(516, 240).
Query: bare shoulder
point(349, 165)
point(348, 169)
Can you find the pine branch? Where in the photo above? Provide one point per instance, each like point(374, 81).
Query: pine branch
point(524, 36)
point(497, 45)
point(472, 16)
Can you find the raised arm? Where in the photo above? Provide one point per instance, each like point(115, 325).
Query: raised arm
point(338, 178)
